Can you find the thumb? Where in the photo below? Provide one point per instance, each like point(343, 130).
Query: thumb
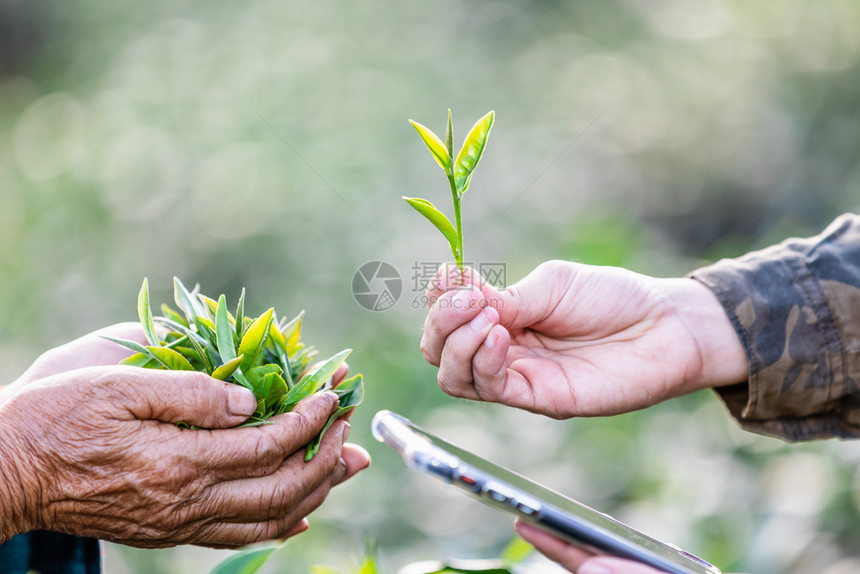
point(536, 297)
point(182, 396)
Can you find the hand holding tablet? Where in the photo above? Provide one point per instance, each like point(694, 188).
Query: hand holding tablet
point(593, 531)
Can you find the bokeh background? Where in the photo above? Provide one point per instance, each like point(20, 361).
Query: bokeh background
point(264, 144)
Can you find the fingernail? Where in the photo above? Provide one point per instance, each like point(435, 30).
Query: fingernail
point(346, 429)
point(299, 527)
point(240, 401)
point(482, 322)
point(592, 568)
point(332, 397)
point(339, 472)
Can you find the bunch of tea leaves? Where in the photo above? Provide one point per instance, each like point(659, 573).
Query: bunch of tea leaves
point(264, 354)
point(459, 171)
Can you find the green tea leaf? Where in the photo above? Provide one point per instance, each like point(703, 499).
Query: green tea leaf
point(224, 331)
point(471, 151)
point(435, 217)
point(170, 359)
point(144, 311)
point(210, 304)
point(223, 372)
point(256, 378)
point(437, 148)
point(246, 561)
point(187, 302)
point(272, 389)
point(171, 315)
point(255, 339)
point(240, 316)
point(350, 394)
point(255, 422)
point(277, 345)
point(313, 380)
point(449, 136)
point(141, 360)
point(292, 332)
point(175, 340)
point(189, 353)
point(203, 353)
point(131, 345)
point(277, 338)
point(206, 328)
point(263, 370)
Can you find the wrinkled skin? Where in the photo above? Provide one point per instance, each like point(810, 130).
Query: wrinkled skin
point(92, 450)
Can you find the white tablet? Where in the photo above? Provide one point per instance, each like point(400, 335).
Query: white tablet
point(510, 492)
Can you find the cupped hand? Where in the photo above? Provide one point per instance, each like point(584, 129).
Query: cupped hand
point(95, 452)
point(578, 340)
point(88, 351)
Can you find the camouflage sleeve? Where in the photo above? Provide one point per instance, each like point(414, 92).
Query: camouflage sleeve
point(796, 309)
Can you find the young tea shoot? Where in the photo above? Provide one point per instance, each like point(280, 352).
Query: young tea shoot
point(264, 354)
point(459, 172)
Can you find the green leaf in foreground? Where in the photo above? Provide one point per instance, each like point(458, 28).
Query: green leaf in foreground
point(130, 345)
point(254, 339)
point(224, 332)
point(170, 359)
point(350, 393)
point(246, 561)
point(185, 301)
point(240, 316)
point(449, 135)
point(139, 360)
point(226, 370)
point(470, 153)
point(435, 217)
point(144, 312)
point(437, 148)
point(314, 380)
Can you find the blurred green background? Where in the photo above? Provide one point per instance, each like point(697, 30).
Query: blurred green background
point(265, 144)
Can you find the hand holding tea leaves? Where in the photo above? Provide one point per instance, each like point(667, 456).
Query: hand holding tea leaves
point(121, 470)
point(459, 172)
point(264, 355)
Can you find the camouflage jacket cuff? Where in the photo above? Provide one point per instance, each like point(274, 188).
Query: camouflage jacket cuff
point(796, 308)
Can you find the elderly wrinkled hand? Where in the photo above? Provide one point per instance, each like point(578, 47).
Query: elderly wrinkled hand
point(95, 451)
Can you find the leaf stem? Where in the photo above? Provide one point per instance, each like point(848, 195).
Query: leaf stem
point(458, 255)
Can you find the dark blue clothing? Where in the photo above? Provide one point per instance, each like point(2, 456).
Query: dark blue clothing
point(50, 553)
